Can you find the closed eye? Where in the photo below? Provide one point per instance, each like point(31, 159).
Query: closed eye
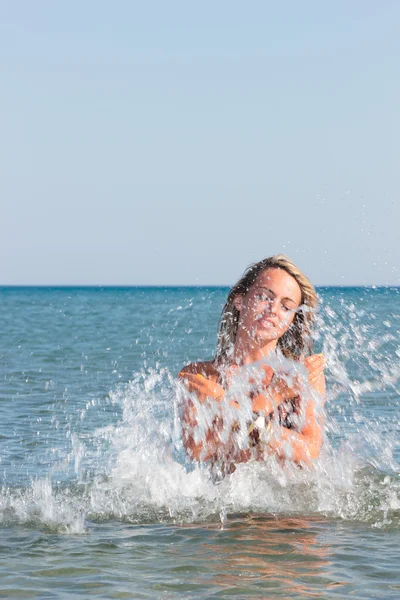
point(264, 297)
point(287, 308)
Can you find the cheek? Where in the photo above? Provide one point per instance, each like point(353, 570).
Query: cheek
point(286, 321)
point(250, 310)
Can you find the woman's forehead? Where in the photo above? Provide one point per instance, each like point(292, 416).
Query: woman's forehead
point(280, 282)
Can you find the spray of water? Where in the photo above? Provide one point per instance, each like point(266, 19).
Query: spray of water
point(136, 470)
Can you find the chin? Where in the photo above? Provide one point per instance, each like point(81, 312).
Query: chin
point(268, 330)
point(263, 337)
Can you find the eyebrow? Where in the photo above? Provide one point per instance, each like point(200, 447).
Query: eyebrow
point(263, 287)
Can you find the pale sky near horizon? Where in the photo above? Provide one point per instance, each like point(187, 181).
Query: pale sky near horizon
point(155, 142)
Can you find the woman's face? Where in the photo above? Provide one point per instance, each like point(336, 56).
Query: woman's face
point(269, 307)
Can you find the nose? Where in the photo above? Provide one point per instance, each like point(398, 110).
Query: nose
point(272, 306)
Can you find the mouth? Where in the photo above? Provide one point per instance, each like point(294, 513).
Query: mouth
point(267, 322)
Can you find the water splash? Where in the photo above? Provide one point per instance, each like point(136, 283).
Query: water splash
point(135, 469)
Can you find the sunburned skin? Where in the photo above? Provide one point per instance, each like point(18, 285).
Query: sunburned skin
point(265, 313)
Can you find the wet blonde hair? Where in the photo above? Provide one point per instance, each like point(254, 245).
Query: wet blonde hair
point(296, 341)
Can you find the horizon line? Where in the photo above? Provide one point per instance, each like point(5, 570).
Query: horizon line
point(171, 286)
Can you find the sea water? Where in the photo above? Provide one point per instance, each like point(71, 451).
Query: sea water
point(98, 497)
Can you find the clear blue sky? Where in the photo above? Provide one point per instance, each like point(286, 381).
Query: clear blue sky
point(176, 142)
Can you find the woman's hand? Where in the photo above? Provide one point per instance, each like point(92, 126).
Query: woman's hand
point(203, 387)
point(315, 366)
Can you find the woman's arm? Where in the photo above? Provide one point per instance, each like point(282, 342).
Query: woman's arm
point(301, 446)
point(206, 390)
point(277, 390)
point(197, 450)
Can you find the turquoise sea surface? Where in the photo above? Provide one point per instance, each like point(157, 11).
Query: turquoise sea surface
point(98, 497)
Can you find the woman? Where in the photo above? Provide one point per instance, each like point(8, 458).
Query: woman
point(264, 344)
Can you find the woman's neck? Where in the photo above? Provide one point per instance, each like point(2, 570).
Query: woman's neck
point(246, 353)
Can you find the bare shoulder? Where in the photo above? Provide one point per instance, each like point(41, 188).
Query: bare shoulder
point(206, 368)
